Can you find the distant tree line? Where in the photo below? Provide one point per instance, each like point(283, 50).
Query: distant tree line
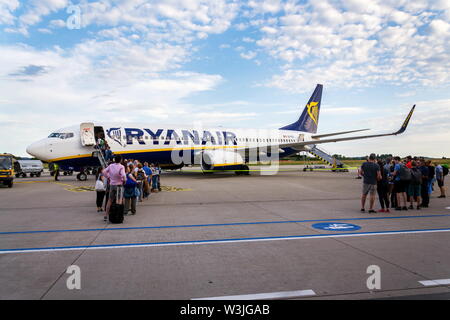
point(300, 157)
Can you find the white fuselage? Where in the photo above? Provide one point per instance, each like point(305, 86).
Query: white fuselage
point(153, 143)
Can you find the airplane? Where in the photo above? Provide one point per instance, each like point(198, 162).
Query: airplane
point(174, 146)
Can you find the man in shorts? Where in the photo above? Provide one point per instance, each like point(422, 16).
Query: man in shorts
point(117, 177)
point(440, 179)
point(371, 173)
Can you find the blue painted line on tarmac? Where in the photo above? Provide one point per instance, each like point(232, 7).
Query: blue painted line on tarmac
point(216, 241)
point(223, 224)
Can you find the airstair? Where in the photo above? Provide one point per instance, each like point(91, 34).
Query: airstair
point(99, 155)
point(325, 157)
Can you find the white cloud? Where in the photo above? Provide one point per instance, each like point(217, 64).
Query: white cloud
point(265, 6)
point(249, 55)
point(440, 28)
point(7, 7)
point(348, 43)
point(427, 133)
point(44, 30)
point(58, 23)
point(36, 9)
point(86, 83)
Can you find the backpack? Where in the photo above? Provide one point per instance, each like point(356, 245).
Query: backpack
point(140, 175)
point(445, 170)
point(416, 177)
point(404, 173)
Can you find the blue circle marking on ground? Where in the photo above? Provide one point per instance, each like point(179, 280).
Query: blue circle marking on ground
point(336, 226)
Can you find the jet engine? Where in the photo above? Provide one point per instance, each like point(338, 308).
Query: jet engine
point(216, 160)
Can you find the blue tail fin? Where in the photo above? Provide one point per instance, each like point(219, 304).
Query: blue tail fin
point(309, 119)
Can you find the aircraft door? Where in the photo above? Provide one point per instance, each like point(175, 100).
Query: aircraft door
point(87, 134)
point(99, 132)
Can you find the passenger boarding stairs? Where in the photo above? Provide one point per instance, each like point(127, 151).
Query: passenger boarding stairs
point(99, 155)
point(325, 157)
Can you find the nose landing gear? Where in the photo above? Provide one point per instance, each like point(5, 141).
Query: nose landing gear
point(82, 176)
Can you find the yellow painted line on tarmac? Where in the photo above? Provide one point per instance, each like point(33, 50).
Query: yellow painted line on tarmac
point(80, 189)
point(73, 188)
point(64, 184)
point(68, 187)
point(174, 189)
point(38, 181)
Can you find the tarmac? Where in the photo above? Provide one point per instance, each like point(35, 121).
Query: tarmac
point(222, 236)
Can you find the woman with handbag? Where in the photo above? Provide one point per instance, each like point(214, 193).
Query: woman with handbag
point(100, 188)
point(130, 189)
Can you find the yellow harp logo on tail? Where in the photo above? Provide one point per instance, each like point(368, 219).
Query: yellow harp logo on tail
point(313, 111)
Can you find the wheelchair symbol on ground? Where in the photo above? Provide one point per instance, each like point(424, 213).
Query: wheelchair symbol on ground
point(334, 226)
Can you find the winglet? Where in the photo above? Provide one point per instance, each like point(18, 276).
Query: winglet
point(405, 123)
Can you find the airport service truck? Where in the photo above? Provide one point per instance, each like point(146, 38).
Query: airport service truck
point(32, 167)
point(7, 169)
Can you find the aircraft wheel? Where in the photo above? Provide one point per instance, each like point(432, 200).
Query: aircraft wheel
point(82, 176)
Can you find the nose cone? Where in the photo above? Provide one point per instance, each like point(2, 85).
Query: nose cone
point(38, 150)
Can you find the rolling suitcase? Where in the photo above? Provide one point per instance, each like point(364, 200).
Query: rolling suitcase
point(116, 211)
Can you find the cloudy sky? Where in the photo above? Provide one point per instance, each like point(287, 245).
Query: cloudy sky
point(242, 64)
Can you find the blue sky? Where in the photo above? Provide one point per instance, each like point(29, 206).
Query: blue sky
point(250, 64)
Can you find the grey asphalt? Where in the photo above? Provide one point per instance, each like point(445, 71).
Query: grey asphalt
point(39, 213)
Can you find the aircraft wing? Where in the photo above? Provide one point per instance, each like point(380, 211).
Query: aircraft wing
point(299, 145)
point(319, 141)
point(318, 136)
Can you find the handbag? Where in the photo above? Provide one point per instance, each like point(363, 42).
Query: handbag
point(99, 185)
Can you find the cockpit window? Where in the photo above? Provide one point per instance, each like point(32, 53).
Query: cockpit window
point(61, 135)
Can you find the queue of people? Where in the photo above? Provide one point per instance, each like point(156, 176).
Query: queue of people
point(103, 146)
point(401, 184)
point(126, 182)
